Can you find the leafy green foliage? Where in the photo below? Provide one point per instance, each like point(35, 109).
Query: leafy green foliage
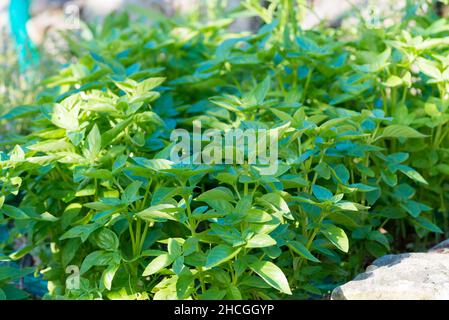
point(362, 157)
point(9, 291)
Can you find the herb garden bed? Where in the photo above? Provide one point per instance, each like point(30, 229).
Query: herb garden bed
point(362, 121)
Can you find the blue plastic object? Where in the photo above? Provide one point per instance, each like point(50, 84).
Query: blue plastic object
point(18, 17)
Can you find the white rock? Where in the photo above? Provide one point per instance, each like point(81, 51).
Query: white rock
point(407, 276)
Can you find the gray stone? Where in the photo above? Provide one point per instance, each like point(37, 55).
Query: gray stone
point(407, 276)
point(443, 247)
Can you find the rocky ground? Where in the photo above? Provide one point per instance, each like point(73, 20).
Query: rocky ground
point(406, 276)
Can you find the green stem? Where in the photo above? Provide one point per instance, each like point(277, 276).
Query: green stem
point(191, 221)
point(137, 237)
point(131, 233)
point(142, 239)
